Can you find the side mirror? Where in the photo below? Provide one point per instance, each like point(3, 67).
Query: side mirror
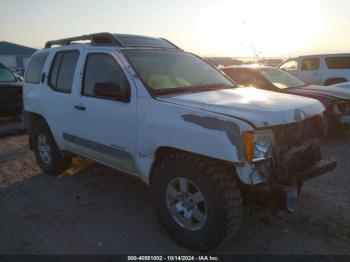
point(111, 91)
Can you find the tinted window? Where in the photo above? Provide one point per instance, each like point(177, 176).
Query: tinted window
point(35, 68)
point(338, 62)
point(102, 68)
point(310, 64)
point(54, 70)
point(291, 65)
point(6, 75)
point(62, 71)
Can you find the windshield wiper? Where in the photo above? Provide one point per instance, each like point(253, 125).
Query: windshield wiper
point(210, 87)
point(192, 89)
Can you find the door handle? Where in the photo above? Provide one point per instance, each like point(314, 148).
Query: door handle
point(82, 108)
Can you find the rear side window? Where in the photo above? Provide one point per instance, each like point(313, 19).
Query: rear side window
point(62, 71)
point(342, 62)
point(310, 64)
point(35, 68)
point(102, 68)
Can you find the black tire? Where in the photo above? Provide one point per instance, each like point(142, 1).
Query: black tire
point(220, 190)
point(57, 164)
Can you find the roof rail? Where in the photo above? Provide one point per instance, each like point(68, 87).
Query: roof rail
point(121, 40)
point(99, 38)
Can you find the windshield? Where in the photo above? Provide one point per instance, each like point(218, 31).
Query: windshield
point(165, 71)
point(280, 78)
point(6, 75)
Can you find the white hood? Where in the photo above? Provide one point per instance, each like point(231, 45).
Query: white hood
point(260, 107)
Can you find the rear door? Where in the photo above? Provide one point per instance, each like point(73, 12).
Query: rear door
point(105, 127)
point(337, 68)
point(310, 70)
point(56, 98)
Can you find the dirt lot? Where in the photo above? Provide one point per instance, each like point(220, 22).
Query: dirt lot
point(92, 209)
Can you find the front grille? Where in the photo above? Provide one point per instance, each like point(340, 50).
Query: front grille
point(296, 148)
point(294, 134)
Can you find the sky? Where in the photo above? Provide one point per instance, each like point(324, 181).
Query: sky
point(234, 28)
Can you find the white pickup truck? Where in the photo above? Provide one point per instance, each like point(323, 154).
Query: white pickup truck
point(145, 107)
point(319, 69)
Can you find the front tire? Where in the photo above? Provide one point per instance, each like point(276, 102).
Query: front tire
point(47, 152)
point(198, 201)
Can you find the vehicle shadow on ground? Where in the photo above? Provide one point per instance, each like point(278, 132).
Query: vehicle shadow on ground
point(92, 209)
point(11, 126)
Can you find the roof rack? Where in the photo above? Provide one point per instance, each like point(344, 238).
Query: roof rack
point(121, 40)
point(99, 38)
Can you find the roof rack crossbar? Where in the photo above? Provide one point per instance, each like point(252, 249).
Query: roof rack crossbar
point(100, 38)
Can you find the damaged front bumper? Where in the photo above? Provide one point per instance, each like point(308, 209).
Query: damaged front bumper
point(319, 168)
point(296, 159)
point(283, 196)
point(290, 193)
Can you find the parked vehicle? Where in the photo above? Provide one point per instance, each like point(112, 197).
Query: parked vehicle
point(319, 69)
point(335, 100)
point(143, 106)
point(342, 85)
point(10, 93)
point(19, 71)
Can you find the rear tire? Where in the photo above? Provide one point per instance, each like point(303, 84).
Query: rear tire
point(47, 152)
point(209, 214)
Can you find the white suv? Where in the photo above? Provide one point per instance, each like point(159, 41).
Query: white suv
point(143, 106)
point(319, 69)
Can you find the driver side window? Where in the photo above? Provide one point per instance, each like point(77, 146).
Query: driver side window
point(290, 66)
point(103, 69)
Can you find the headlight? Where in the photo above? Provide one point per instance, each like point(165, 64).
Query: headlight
point(258, 145)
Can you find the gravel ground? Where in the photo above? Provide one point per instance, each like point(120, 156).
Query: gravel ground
point(92, 209)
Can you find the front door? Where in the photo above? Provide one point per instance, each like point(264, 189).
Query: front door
point(105, 127)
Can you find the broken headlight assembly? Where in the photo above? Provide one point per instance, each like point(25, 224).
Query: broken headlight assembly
point(258, 145)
